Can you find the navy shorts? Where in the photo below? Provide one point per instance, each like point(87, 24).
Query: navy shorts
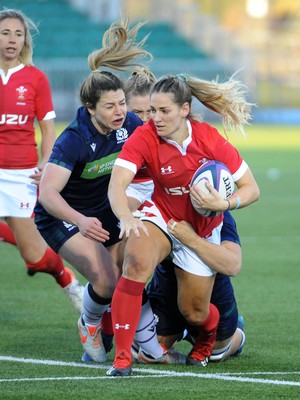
point(162, 293)
point(56, 232)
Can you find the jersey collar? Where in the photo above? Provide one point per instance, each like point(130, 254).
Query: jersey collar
point(5, 78)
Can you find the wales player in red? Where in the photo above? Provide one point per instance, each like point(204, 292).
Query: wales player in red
point(172, 146)
point(26, 96)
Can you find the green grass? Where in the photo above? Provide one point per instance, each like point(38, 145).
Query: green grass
point(38, 322)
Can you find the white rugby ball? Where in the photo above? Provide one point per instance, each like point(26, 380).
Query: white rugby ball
point(219, 176)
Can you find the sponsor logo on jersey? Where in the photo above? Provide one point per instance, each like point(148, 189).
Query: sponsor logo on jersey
point(13, 119)
point(121, 135)
point(100, 167)
point(21, 93)
point(94, 168)
point(167, 170)
point(178, 191)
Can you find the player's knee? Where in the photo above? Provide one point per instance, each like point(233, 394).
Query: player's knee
point(137, 268)
point(194, 316)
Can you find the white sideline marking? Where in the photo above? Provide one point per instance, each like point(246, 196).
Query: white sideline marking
point(154, 373)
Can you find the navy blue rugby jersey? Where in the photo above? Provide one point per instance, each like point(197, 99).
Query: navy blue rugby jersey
point(229, 229)
point(90, 156)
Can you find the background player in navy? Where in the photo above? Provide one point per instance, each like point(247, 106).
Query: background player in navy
point(162, 292)
point(73, 213)
point(26, 97)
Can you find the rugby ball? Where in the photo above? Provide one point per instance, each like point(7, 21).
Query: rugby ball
point(219, 176)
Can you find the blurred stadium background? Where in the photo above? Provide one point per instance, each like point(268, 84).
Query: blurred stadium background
point(209, 38)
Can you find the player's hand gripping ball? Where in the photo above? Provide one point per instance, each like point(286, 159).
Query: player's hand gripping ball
point(219, 176)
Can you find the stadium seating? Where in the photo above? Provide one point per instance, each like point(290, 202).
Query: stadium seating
point(65, 32)
point(66, 37)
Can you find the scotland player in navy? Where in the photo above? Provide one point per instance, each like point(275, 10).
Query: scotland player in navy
point(162, 292)
point(73, 213)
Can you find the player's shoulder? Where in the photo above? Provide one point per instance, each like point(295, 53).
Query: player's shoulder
point(37, 72)
point(202, 128)
point(35, 75)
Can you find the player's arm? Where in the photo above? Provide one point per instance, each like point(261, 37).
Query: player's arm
point(247, 191)
point(225, 258)
point(121, 177)
point(48, 133)
point(54, 179)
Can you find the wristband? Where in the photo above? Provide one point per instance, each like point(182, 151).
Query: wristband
point(229, 205)
point(238, 201)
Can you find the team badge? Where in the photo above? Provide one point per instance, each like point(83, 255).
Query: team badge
point(121, 135)
point(21, 93)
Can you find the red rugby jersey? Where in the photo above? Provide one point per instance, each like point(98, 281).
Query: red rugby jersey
point(172, 167)
point(24, 95)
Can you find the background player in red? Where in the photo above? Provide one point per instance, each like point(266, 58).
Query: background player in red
point(25, 95)
point(6, 233)
point(172, 146)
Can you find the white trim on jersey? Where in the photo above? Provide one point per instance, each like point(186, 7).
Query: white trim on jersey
point(126, 164)
point(5, 78)
point(49, 115)
point(241, 171)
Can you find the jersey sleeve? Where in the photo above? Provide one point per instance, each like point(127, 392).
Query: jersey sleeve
point(43, 99)
point(229, 230)
point(222, 150)
point(135, 151)
point(67, 150)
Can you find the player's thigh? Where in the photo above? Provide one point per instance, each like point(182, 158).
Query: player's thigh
point(91, 259)
point(144, 253)
point(117, 253)
point(31, 245)
point(194, 292)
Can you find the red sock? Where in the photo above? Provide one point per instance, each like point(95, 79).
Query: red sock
point(126, 308)
point(52, 264)
point(106, 323)
point(6, 233)
point(212, 320)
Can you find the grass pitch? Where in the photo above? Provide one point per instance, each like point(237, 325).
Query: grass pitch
point(40, 350)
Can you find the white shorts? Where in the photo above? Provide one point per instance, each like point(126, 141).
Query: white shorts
point(181, 255)
point(141, 191)
point(18, 195)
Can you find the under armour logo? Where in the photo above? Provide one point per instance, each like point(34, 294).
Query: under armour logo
point(126, 326)
point(24, 205)
point(167, 170)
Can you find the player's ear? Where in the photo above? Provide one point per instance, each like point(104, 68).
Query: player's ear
point(185, 109)
point(91, 111)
